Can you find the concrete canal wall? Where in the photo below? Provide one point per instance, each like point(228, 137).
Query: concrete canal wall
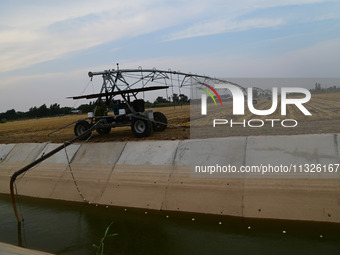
point(9, 249)
point(156, 175)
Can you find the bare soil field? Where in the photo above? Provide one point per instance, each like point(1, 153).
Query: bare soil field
point(325, 109)
point(325, 118)
point(37, 130)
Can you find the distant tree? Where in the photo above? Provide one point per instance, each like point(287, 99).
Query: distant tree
point(10, 115)
point(160, 100)
point(85, 108)
point(317, 86)
point(33, 112)
point(54, 109)
point(148, 104)
point(43, 111)
point(175, 98)
point(89, 107)
point(255, 93)
point(65, 110)
point(183, 98)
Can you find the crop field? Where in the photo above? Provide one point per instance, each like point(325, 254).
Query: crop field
point(324, 107)
point(37, 130)
point(325, 118)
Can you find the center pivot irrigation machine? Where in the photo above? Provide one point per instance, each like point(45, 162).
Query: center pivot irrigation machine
point(129, 110)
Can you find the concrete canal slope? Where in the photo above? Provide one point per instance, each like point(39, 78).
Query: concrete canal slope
point(15, 250)
point(157, 175)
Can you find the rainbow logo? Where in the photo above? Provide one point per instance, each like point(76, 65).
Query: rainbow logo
point(209, 93)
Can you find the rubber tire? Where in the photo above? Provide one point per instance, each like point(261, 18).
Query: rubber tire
point(103, 131)
point(160, 117)
point(80, 127)
point(141, 127)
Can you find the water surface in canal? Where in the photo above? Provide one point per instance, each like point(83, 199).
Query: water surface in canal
point(71, 228)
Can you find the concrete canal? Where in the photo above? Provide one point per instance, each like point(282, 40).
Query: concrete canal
point(62, 227)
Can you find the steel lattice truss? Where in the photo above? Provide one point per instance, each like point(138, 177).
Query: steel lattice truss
point(132, 81)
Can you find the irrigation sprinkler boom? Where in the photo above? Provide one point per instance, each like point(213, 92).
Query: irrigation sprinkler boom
point(150, 75)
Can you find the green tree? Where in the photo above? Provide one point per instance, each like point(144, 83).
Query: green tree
point(54, 109)
point(175, 98)
point(183, 98)
point(160, 100)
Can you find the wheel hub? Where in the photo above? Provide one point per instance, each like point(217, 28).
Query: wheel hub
point(140, 126)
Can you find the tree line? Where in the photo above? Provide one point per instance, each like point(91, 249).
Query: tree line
point(35, 112)
point(55, 109)
point(319, 89)
point(174, 99)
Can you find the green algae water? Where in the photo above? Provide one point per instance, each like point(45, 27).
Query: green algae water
point(72, 228)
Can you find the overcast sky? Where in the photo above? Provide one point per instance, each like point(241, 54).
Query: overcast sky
point(48, 47)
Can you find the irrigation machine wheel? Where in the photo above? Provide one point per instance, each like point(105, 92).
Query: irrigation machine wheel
point(81, 127)
point(103, 130)
point(141, 127)
point(159, 117)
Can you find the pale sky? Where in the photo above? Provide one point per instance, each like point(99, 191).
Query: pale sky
point(48, 47)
